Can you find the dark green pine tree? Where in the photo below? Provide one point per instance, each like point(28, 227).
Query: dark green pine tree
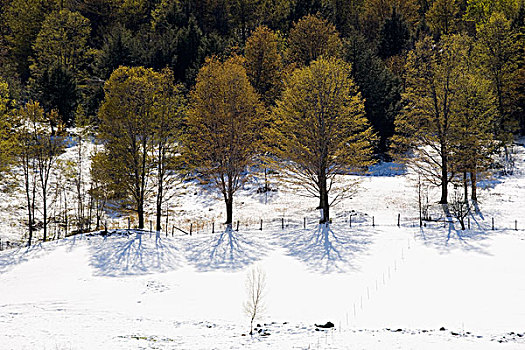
point(380, 87)
point(117, 50)
point(57, 89)
point(394, 36)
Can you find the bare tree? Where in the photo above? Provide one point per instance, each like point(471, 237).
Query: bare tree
point(459, 208)
point(256, 288)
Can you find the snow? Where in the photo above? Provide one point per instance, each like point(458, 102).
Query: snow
point(383, 286)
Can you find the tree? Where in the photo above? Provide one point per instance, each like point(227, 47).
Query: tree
point(24, 19)
point(264, 64)
point(169, 110)
point(376, 12)
point(63, 40)
point(244, 16)
point(480, 11)
point(394, 36)
point(7, 140)
point(310, 38)
point(426, 123)
point(475, 114)
point(127, 127)
point(380, 88)
point(443, 17)
point(275, 14)
point(322, 130)
point(499, 51)
point(60, 61)
point(256, 288)
point(57, 90)
point(116, 50)
point(40, 145)
point(223, 126)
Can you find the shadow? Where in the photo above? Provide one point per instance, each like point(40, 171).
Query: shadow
point(486, 184)
point(475, 240)
point(386, 169)
point(477, 210)
point(227, 250)
point(324, 250)
point(10, 258)
point(138, 254)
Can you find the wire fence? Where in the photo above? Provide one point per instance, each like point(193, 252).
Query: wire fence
point(348, 219)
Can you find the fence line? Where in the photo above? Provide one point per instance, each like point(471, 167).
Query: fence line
point(199, 227)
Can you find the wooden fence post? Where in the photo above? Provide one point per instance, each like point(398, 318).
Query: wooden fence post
point(350, 221)
point(492, 224)
point(282, 223)
point(304, 223)
point(516, 225)
point(129, 223)
point(261, 225)
point(468, 222)
point(237, 226)
point(213, 227)
point(398, 220)
point(191, 228)
point(373, 221)
point(172, 229)
point(150, 226)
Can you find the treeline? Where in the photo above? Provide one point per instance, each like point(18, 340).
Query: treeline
point(211, 86)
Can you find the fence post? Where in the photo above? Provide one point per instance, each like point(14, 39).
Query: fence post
point(105, 227)
point(492, 224)
point(282, 223)
point(129, 224)
point(172, 229)
point(373, 221)
point(350, 220)
point(468, 221)
point(516, 225)
point(213, 227)
point(304, 223)
point(398, 220)
point(191, 228)
point(261, 225)
point(237, 226)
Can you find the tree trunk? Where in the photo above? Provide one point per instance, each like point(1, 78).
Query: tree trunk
point(30, 215)
point(229, 211)
point(44, 203)
point(474, 186)
point(465, 187)
point(444, 176)
point(323, 196)
point(140, 211)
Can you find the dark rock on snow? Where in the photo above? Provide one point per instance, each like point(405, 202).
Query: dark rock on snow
point(326, 325)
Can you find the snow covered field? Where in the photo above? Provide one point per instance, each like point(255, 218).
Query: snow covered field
point(383, 286)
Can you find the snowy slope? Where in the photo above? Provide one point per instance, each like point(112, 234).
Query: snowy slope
point(384, 287)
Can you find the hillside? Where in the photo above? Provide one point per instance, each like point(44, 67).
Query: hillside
point(383, 286)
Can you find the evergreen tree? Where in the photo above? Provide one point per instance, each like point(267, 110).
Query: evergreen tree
point(394, 36)
point(380, 88)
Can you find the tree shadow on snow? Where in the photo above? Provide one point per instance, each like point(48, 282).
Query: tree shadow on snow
point(324, 250)
point(138, 254)
point(227, 250)
point(12, 257)
point(451, 237)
